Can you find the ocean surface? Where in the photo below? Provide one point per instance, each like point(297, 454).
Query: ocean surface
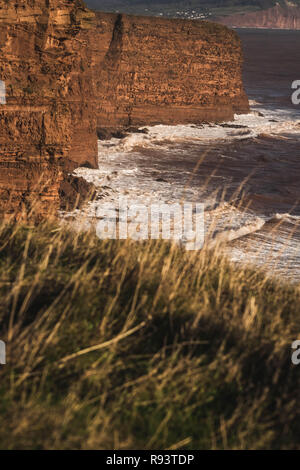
point(246, 173)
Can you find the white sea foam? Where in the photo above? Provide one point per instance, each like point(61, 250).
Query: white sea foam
point(119, 172)
point(244, 126)
point(125, 169)
point(233, 234)
point(161, 135)
point(275, 249)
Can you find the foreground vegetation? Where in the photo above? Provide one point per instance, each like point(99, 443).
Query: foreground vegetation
point(125, 345)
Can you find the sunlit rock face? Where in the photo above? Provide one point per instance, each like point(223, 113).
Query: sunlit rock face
point(155, 70)
point(66, 71)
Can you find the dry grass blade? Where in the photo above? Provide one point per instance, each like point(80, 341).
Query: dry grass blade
point(104, 345)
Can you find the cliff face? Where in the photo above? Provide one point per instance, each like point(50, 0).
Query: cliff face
point(280, 17)
point(68, 71)
point(167, 71)
point(45, 125)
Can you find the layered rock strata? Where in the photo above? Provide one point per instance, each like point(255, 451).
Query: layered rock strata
point(167, 71)
point(46, 128)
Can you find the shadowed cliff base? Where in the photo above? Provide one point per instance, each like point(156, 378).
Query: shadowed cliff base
point(39, 189)
point(68, 71)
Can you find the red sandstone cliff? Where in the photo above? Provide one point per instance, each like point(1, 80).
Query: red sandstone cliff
point(45, 125)
point(155, 70)
point(68, 71)
point(279, 17)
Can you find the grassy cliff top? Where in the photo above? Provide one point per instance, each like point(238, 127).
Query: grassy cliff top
point(133, 346)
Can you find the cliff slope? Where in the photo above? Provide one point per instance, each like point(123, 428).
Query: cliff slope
point(66, 71)
point(279, 17)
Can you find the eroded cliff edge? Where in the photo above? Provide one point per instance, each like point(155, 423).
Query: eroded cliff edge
point(68, 71)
